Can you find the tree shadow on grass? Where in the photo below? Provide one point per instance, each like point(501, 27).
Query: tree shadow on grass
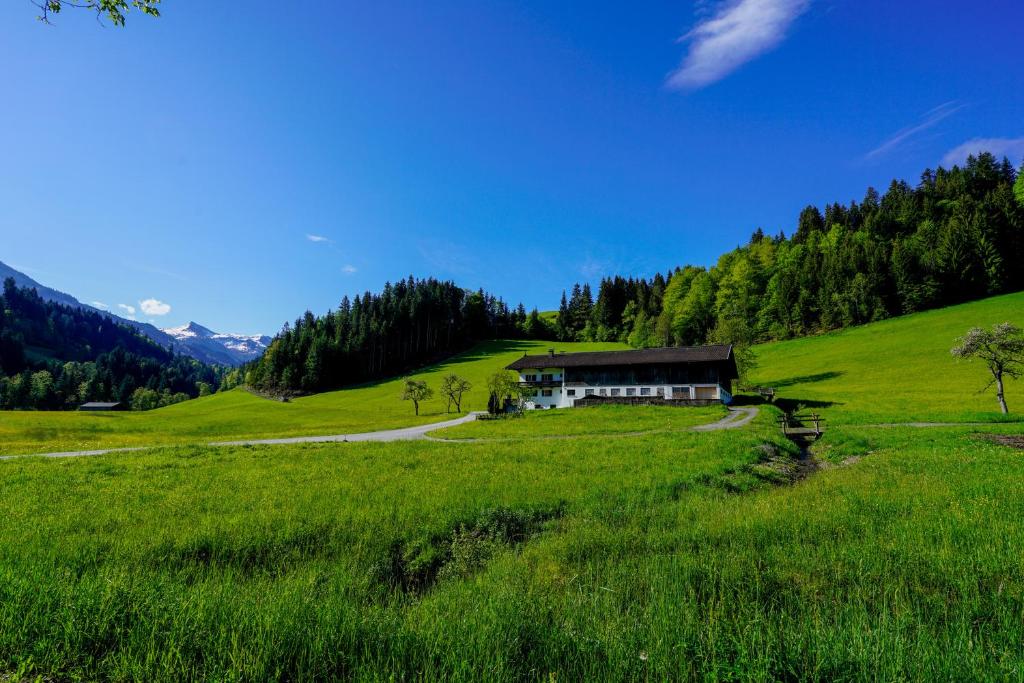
point(792, 405)
point(483, 351)
point(805, 379)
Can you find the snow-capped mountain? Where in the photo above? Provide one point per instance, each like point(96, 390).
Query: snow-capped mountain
point(228, 349)
point(192, 340)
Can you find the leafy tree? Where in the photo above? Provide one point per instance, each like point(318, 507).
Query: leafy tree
point(452, 388)
point(1001, 349)
point(416, 390)
point(736, 331)
point(503, 387)
point(144, 399)
point(1018, 186)
point(41, 393)
point(114, 10)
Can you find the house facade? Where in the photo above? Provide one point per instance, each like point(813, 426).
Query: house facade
point(687, 375)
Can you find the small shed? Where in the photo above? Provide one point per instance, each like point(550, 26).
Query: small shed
point(96, 406)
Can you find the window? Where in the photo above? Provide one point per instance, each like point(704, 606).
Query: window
point(546, 378)
point(615, 392)
point(570, 392)
point(602, 392)
point(680, 392)
point(529, 378)
point(545, 392)
point(589, 392)
point(630, 391)
point(645, 391)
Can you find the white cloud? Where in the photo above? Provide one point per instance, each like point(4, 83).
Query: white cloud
point(317, 238)
point(129, 311)
point(1011, 148)
point(349, 269)
point(929, 119)
point(154, 307)
point(735, 35)
point(99, 304)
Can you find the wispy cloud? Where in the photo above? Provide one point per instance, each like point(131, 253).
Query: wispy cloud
point(317, 238)
point(1011, 148)
point(154, 270)
point(129, 311)
point(930, 118)
point(593, 268)
point(154, 307)
point(99, 304)
point(449, 258)
point(349, 269)
point(738, 33)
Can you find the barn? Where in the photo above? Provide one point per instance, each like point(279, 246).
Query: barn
point(681, 375)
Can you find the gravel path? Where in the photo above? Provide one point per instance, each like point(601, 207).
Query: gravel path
point(737, 417)
point(403, 434)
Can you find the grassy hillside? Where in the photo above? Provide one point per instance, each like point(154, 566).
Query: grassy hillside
point(238, 414)
point(898, 370)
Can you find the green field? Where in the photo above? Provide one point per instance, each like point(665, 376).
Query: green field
point(628, 547)
point(237, 414)
point(898, 370)
point(598, 420)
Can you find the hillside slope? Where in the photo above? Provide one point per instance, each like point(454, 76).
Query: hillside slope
point(897, 370)
point(238, 414)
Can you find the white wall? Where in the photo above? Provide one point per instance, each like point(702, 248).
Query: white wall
point(560, 398)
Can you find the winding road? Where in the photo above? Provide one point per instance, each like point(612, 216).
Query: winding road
point(737, 417)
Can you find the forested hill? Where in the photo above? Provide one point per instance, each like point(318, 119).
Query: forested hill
point(957, 236)
point(54, 356)
point(409, 324)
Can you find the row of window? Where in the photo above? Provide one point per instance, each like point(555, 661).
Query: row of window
point(631, 391)
point(543, 378)
point(677, 392)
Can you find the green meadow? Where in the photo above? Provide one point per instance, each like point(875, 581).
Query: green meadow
point(609, 543)
point(666, 556)
point(237, 414)
point(596, 421)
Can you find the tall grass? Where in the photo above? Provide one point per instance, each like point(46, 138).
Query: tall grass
point(663, 556)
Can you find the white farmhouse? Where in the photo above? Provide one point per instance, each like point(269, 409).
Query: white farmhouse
point(682, 375)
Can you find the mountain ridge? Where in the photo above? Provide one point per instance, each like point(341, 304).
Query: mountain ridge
point(208, 347)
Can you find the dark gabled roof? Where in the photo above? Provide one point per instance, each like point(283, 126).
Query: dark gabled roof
point(673, 354)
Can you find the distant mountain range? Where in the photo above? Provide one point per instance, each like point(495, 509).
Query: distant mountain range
point(193, 339)
point(234, 349)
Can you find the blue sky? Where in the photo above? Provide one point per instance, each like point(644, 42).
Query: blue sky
point(238, 163)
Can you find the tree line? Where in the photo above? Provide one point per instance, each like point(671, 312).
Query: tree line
point(957, 236)
point(409, 324)
point(56, 357)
